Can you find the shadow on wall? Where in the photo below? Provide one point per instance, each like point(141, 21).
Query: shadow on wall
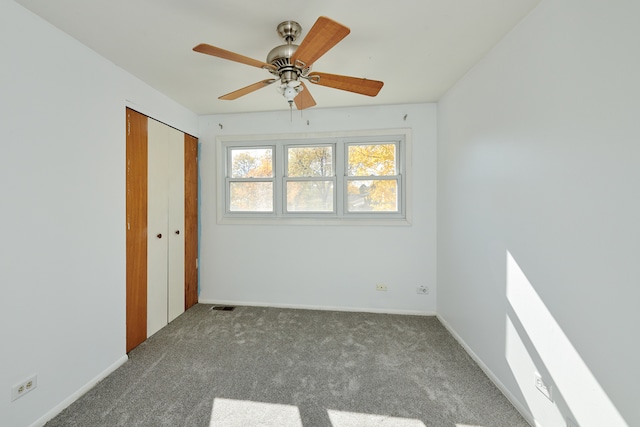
point(535, 343)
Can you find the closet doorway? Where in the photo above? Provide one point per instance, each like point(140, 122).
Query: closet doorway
point(162, 225)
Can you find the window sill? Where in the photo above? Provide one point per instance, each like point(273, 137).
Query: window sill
point(354, 222)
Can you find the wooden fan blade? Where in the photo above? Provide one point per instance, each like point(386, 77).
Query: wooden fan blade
point(245, 90)
point(325, 34)
point(351, 84)
point(231, 56)
point(304, 99)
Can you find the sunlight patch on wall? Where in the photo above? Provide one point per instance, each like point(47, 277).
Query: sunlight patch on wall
point(522, 367)
point(242, 413)
point(535, 341)
point(349, 419)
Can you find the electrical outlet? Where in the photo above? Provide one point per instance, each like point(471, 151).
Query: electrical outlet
point(20, 389)
point(543, 387)
point(381, 287)
point(422, 290)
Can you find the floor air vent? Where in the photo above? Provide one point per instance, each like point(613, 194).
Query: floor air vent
point(223, 308)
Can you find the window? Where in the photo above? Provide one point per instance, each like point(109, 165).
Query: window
point(310, 180)
point(372, 177)
point(345, 178)
point(251, 179)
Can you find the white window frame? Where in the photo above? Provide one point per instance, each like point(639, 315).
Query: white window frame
point(339, 141)
point(397, 177)
point(229, 180)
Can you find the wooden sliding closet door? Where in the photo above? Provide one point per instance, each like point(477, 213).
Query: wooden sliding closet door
point(136, 223)
point(191, 220)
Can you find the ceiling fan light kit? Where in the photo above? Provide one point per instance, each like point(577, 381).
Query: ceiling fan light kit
point(292, 63)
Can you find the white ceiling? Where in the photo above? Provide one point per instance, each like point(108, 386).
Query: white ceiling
point(419, 48)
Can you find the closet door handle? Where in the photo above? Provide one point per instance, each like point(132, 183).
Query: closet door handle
point(159, 236)
point(177, 231)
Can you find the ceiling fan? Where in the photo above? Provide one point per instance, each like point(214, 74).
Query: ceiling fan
point(291, 64)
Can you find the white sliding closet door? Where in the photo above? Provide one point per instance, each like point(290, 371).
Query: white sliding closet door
point(165, 215)
point(176, 225)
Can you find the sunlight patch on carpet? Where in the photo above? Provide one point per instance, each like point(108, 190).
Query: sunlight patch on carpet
point(243, 413)
point(354, 419)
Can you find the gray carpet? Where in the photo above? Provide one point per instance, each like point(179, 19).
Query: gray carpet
point(274, 367)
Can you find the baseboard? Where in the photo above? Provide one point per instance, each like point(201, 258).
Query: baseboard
point(318, 307)
point(78, 393)
point(515, 402)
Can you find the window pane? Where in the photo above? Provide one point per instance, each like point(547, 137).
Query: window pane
point(372, 160)
point(310, 161)
point(374, 195)
point(310, 196)
point(251, 197)
point(251, 163)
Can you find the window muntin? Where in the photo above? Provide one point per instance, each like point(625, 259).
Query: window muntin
point(323, 188)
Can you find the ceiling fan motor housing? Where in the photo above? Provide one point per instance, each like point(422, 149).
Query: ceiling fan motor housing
point(280, 56)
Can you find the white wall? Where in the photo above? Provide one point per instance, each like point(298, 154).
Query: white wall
point(315, 266)
point(539, 208)
point(62, 204)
